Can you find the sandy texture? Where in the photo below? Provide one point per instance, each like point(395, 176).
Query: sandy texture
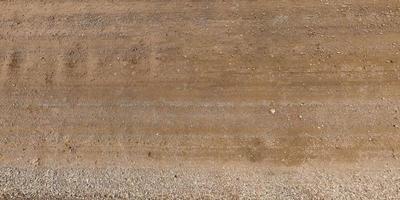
point(223, 183)
point(199, 99)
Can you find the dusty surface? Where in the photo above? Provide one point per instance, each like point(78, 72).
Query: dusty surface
point(199, 99)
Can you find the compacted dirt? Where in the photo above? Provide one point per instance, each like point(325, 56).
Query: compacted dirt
point(189, 99)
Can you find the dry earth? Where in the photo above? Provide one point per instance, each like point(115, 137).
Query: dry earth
point(189, 99)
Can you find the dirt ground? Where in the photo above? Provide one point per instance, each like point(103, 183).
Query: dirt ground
point(199, 99)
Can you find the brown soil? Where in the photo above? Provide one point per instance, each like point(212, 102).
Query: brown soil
point(103, 99)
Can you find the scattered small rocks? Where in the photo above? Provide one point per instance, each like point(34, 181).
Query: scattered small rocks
point(35, 162)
